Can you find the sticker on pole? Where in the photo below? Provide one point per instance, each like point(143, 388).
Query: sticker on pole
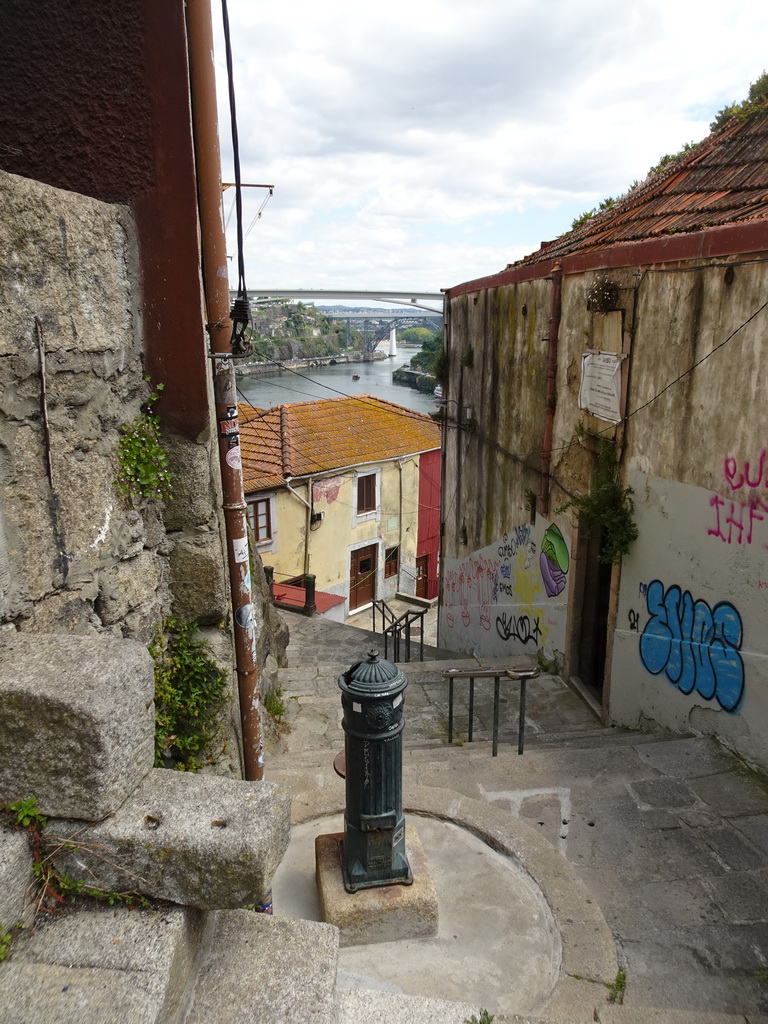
point(228, 427)
point(234, 461)
point(240, 548)
point(245, 616)
point(224, 387)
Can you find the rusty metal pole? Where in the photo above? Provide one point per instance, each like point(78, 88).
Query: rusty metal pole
point(219, 326)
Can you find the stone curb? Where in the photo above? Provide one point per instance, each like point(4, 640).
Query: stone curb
point(588, 947)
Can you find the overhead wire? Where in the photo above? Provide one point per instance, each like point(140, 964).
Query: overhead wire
point(675, 380)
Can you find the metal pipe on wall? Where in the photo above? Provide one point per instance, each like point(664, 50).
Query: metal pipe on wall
point(219, 326)
point(553, 337)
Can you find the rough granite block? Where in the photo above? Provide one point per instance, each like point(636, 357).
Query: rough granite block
point(201, 840)
point(259, 968)
point(384, 913)
point(76, 721)
point(101, 966)
point(15, 876)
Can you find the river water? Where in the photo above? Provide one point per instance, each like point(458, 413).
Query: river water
point(308, 385)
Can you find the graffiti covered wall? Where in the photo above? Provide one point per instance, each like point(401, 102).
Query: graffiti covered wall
point(510, 597)
point(691, 644)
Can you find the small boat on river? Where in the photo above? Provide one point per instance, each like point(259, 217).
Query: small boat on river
point(355, 376)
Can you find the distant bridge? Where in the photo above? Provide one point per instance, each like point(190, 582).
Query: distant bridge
point(417, 299)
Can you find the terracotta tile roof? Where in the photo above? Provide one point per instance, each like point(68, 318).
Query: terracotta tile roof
point(722, 181)
point(304, 438)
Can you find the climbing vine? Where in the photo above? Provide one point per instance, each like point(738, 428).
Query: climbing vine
point(607, 507)
point(53, 888)
point(190, 690)
point(143, 473)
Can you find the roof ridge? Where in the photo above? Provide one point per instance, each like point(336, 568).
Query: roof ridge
point(632, 216)
point(285, 447)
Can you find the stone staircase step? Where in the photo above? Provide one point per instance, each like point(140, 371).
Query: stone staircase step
point(100, 965)
point(622, 1014)
point(594, 737)
point(256, 968)
point(357, 1005)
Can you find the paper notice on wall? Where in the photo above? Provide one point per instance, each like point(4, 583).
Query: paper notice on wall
point(600, 391)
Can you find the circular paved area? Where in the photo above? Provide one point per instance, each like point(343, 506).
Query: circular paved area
point(497, 944)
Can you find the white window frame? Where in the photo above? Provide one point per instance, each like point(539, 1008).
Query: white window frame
point(270, 544)
point(365, 517)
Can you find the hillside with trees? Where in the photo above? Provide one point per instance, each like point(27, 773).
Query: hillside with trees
point(283, 331)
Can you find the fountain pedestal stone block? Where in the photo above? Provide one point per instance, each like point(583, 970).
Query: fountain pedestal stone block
point(383, 913)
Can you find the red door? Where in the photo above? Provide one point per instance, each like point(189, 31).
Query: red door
point(422, 565)
point(362, 577)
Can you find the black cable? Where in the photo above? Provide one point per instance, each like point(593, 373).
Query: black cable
point(241, 310)
point(241, 292)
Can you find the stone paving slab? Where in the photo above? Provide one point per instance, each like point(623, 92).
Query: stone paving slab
point(15, 876)
point(100, 966)
point(668, 834)
point(253, 967)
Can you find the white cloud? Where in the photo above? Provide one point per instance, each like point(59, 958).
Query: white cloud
point(420, 144)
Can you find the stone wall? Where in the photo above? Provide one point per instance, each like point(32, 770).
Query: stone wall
point(75, 556)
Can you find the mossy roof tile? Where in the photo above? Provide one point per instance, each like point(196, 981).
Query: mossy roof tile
point(307, 438)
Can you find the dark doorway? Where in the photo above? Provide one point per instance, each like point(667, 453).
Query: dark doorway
point(422, 568)
point(593, 636)
point(362, 577)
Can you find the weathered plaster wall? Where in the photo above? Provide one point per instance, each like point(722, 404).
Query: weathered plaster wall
point(510, 597)
point(495, 412)
point(694, 448)
point(690, 648)
point(73, 555)
point(495, 598)
point(331, 539)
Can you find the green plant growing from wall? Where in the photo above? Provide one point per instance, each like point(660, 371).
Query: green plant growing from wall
point(274, 703)
point(27, 813)
point(617, 988)
point(190, 690)
point(54, 887)
point(607, 507)
point(143, 473)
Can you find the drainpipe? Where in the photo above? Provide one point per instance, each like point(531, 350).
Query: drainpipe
point(219, 327)
point(443, 461)
point(309, 517)
point(556, 277)
point(400, 531)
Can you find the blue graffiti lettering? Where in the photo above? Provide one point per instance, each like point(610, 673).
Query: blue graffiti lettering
point(697, 647)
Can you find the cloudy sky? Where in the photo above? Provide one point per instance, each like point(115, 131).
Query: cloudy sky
point(416, 145)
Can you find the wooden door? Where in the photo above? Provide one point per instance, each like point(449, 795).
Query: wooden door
point(422, 566)
point(362, 577)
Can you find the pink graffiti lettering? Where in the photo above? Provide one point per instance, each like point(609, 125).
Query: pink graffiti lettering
point(472, 585)
point(731, 527)
point(737, 480)
point(484, 571)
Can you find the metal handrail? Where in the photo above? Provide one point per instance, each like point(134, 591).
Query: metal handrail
point(402, 627)
point(522, 675)
point(386, 612)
